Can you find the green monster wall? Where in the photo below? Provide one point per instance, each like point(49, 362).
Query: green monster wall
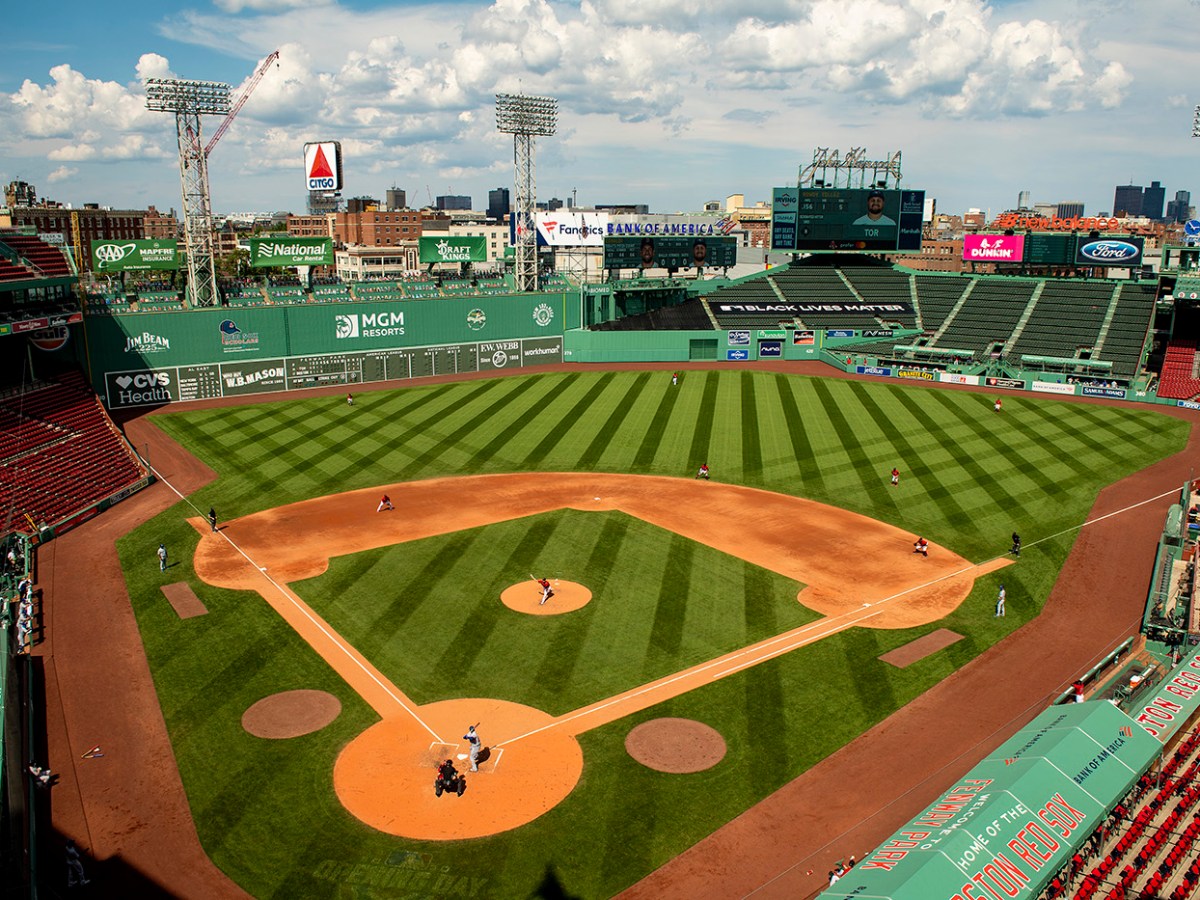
point(153, 358)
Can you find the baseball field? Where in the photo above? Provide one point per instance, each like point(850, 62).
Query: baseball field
point(328, 655)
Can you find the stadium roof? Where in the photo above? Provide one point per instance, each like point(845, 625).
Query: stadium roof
point(1012, 822)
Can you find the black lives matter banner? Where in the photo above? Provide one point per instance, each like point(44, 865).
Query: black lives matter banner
point(178, 384)
point(799, 309)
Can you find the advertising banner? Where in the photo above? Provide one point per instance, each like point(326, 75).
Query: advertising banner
point(456, 249)
point(1115, 252)
point(737, 355)
point(1004, 383)
point(739, 338)
point(799, 309)
point(1112, 393)
point(323, 166)
point(803, 338)
point(267, 252)
point(1053, 387)
point(993, 247)
point(770, 349)
point(571, 229)
point(134, 255)
point(957, 378)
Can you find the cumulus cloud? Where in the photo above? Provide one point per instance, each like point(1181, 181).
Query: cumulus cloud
point(151, 65)
point(62, 173)
point(72, 102)
point(267, 6)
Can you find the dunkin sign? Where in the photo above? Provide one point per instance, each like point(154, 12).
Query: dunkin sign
point(993, 247)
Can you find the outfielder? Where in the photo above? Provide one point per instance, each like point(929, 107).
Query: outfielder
point(1000, 598)
point(476, 745)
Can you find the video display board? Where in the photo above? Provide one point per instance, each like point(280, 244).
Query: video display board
point(669, 252)
point(844, 219)
point(1047, 249)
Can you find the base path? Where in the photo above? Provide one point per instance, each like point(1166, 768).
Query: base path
point(857, 571)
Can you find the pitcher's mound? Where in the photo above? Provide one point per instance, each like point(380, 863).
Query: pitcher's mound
point(291, 713)
point(526, 597)
point(676, 745)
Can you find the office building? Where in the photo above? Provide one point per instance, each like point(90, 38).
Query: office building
point(499, 204)
point(1152, 201)
point(1179, 209)
point(453, 201)
point(1127, 200)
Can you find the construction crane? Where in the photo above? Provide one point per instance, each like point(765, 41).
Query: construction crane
point(241, 101)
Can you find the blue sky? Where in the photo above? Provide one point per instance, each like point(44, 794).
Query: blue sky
point(666, 102)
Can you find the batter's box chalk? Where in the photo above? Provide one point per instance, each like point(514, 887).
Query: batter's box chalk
point(437, 752)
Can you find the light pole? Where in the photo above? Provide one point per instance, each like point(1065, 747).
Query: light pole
point(190, 100)
point(525, 117)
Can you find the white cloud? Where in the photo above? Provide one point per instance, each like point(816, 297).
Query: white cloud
point(724, 84)
point(267, 6)
point(62, 173)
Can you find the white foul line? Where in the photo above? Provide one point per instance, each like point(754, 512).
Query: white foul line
point(320, 624)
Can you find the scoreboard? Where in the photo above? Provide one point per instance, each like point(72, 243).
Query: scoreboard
point(669, 252)
point(846, 219)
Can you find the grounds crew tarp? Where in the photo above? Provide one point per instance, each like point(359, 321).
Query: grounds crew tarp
point(1011, 823)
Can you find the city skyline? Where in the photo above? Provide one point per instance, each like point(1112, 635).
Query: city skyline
point(667, 104)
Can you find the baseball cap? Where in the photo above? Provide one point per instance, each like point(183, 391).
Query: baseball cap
point(878, 194)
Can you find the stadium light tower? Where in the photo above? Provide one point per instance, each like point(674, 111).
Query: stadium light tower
point(190, 100)
point(525, 117)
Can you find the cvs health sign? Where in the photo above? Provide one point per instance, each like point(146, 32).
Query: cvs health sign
point(323, 166)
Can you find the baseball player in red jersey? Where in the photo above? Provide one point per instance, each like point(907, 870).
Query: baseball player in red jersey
point(895, 475)
point(921, 546)
point(547, 591)
point(385, 503)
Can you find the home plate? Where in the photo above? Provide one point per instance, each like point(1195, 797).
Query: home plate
point(595, 498)
point(462, 756)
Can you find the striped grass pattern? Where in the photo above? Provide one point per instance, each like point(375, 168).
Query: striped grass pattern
point(425, 612)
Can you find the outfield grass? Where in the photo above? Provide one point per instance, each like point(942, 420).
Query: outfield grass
point(426, 612)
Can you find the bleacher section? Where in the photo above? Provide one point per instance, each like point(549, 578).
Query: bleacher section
point(1066, 319)
point(331, 293)
point(1179, 379)
point(1125, 338)
point(59, 453)
point(882, 285)
point(988, 316)
point(10, 271)
point(937, 296)
point(47, 261)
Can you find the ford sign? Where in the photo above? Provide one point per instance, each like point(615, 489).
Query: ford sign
point(1109, 252)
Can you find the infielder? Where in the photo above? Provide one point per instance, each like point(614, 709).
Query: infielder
point(385, 503)
point(1000, 598)
point(476, 745)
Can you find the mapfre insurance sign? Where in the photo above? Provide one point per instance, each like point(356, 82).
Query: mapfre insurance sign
point(323, 166)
